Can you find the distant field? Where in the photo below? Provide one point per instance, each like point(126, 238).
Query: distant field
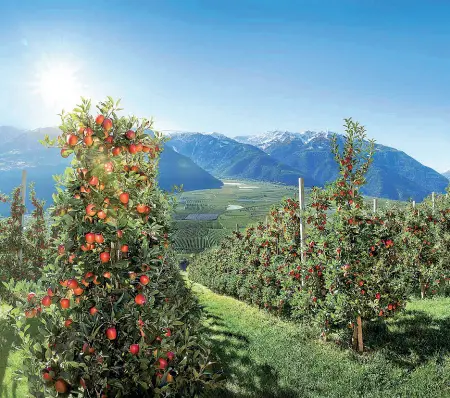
point(236, 203)
point(204, 217)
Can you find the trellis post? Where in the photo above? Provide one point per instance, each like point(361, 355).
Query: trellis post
point(301, 202)
point(375, 205)
point(433, 200)
point(22, 220)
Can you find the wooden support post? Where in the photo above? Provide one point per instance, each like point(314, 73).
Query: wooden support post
point(414, 204)
point(375, 205)
point(433, 199)
point(301, 202)
point(237, 227)
point(360, 335)
point(23, 191)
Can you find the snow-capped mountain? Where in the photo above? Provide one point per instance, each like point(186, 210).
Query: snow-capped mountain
point(265, 140)
point(393, 174)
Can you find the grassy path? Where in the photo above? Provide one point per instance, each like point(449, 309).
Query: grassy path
point(9, 360)
point(266, 357)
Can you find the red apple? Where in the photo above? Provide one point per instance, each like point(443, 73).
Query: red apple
point(90, 237)
point(132, 149)
point(72, 140)
point(99, 119)
point(162, 363)
point(134, 349)
point(65, 303)
point(170, 355)
point(105, 257)
point(90, 210)
point(378, 296)
point(88, 140)
point(47, 377)
point(116, 151)
point(144, 279)
point(119, 233)
point(107, 124)
point(99, 238)
point(102, 214)
point(140, 299)
point(109, 139)
point(140, 208)
point(61, 386)
point(31, 296)
point(46, 301)
point(111, 333)
point(130, 134)
point(124, 249)
point(124, 197)
point(65, 152)
point(93, 310)
point(72, 284)
point(93, 181)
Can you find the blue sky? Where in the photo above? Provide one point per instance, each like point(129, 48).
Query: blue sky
point(241, 66)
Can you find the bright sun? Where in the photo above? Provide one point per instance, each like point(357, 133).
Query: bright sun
point(57, 85)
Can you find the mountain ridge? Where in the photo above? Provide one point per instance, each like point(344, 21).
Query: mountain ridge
point(394, 174)
point(20, 149)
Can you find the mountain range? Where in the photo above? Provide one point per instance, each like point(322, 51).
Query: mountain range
point(20, 149)
point(200, 160)
point(273, 156)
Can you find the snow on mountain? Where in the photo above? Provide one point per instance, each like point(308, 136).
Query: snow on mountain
point(265, 140)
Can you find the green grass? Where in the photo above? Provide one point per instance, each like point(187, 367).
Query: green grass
point(10, 360)
point(264, 356)
point(267, 357)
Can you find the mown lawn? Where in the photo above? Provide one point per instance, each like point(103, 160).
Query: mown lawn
point(266, 357)
point(10, 360)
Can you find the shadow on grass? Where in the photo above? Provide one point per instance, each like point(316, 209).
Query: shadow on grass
point(412, 339)
point(8, 338)
point(252, 380)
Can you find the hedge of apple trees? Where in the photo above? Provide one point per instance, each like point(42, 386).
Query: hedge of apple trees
point(359, 265)
point(23, 251)
point(116, 319)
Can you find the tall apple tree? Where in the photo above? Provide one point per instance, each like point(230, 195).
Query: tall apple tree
point(117, 319)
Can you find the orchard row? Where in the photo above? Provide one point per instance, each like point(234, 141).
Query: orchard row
point(358, 265)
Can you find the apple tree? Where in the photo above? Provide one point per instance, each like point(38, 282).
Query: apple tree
point(117, 319)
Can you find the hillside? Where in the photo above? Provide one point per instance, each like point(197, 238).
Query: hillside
point(226, 158)
point(393, 175)
point(20, 149)
point(447, 174)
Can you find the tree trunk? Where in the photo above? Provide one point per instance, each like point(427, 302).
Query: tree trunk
point(355, 338)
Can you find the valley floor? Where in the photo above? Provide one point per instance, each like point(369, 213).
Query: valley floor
point(267, 357)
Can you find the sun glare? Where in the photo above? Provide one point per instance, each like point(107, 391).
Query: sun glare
point(57, 85)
